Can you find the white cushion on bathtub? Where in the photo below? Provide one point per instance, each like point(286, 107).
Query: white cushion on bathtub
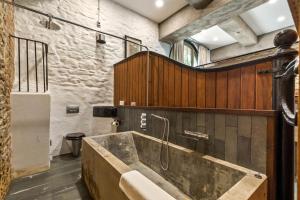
point(138, 187)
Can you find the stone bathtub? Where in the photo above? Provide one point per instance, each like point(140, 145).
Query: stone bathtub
point(190, 175)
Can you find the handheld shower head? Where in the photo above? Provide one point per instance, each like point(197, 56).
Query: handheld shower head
point(164, 141)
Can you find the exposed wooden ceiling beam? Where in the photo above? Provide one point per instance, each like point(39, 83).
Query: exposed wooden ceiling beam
point(189, 21)
point(239, 30)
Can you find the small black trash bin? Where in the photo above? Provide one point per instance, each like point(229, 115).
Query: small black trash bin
point(76, 139)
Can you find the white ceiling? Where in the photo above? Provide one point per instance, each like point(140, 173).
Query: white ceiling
point(262, 20)
point(214, 37)
point(148, 9)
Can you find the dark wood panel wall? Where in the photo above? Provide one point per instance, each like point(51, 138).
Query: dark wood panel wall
point(171, 85)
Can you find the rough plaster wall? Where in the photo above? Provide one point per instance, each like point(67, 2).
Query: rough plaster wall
point(81, 72)
point(6, 79)
point(264, 41)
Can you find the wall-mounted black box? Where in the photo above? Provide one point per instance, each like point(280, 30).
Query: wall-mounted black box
point(105, 111)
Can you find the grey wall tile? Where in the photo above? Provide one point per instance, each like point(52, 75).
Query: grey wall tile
point(231, 120)
point(137, 122)
point(220, 127)
point(189, 122)
point(259, 143)
point(131, 119)
point(157, 124)
point(244, 126)
point(219, 149)
point(237, 139)
point(231, 144)
point(202, 146)
point(210, 124)
point(200, 119)
point(172, 116)
point(244, 151)
point(121, 118)
point(210, 130)
point(201, 129)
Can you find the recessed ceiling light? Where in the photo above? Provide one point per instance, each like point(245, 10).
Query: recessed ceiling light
point(215, 39)
point(272, 1)
point(281, 18)
point(159, 3)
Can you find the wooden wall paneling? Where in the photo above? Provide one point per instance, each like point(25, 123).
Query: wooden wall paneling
point(248, 85)
point(192, 88)
point(221, 91)
point(154, 69)
point(140, 81)
point(129, 80)
point(135, 82)
point(139, 78)
point(123, 83)
point(210, 90)
point(134, 79)
point(126, 82)
point(177, 86)
point(201, 89)
point(234, 89)
point(294, 6)
point(271, 157)
point(115, 84)
point(171, 90)
point(166, 83)
point(160, 81)
point(144, 80)
point(118, 82)
point(185, 87)
point(263, 87)
point(151, 82)
point(131, 65)
point(171, 85)
point(120, 77)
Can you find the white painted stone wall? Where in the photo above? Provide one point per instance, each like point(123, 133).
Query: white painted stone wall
point(81, 72)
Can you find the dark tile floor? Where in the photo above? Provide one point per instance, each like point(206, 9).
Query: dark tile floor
point(61, 182)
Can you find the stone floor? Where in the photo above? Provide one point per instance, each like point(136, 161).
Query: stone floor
point(61, 182)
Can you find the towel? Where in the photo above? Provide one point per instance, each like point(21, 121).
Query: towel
point(137, 187)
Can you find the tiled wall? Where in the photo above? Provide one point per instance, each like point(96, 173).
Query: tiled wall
point(238, 139)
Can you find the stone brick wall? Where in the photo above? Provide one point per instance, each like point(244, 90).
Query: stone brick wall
point(80, 71)
point(6, 80)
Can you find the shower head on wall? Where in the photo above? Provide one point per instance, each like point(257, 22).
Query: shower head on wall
point(49, 24)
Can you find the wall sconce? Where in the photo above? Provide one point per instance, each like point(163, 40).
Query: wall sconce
point(100, 38)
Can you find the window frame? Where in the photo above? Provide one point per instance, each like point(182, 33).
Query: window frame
point(191, 45)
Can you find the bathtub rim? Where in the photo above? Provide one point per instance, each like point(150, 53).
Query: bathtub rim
point(245, 188)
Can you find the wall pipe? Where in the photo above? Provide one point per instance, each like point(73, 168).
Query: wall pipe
point(87, 28)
